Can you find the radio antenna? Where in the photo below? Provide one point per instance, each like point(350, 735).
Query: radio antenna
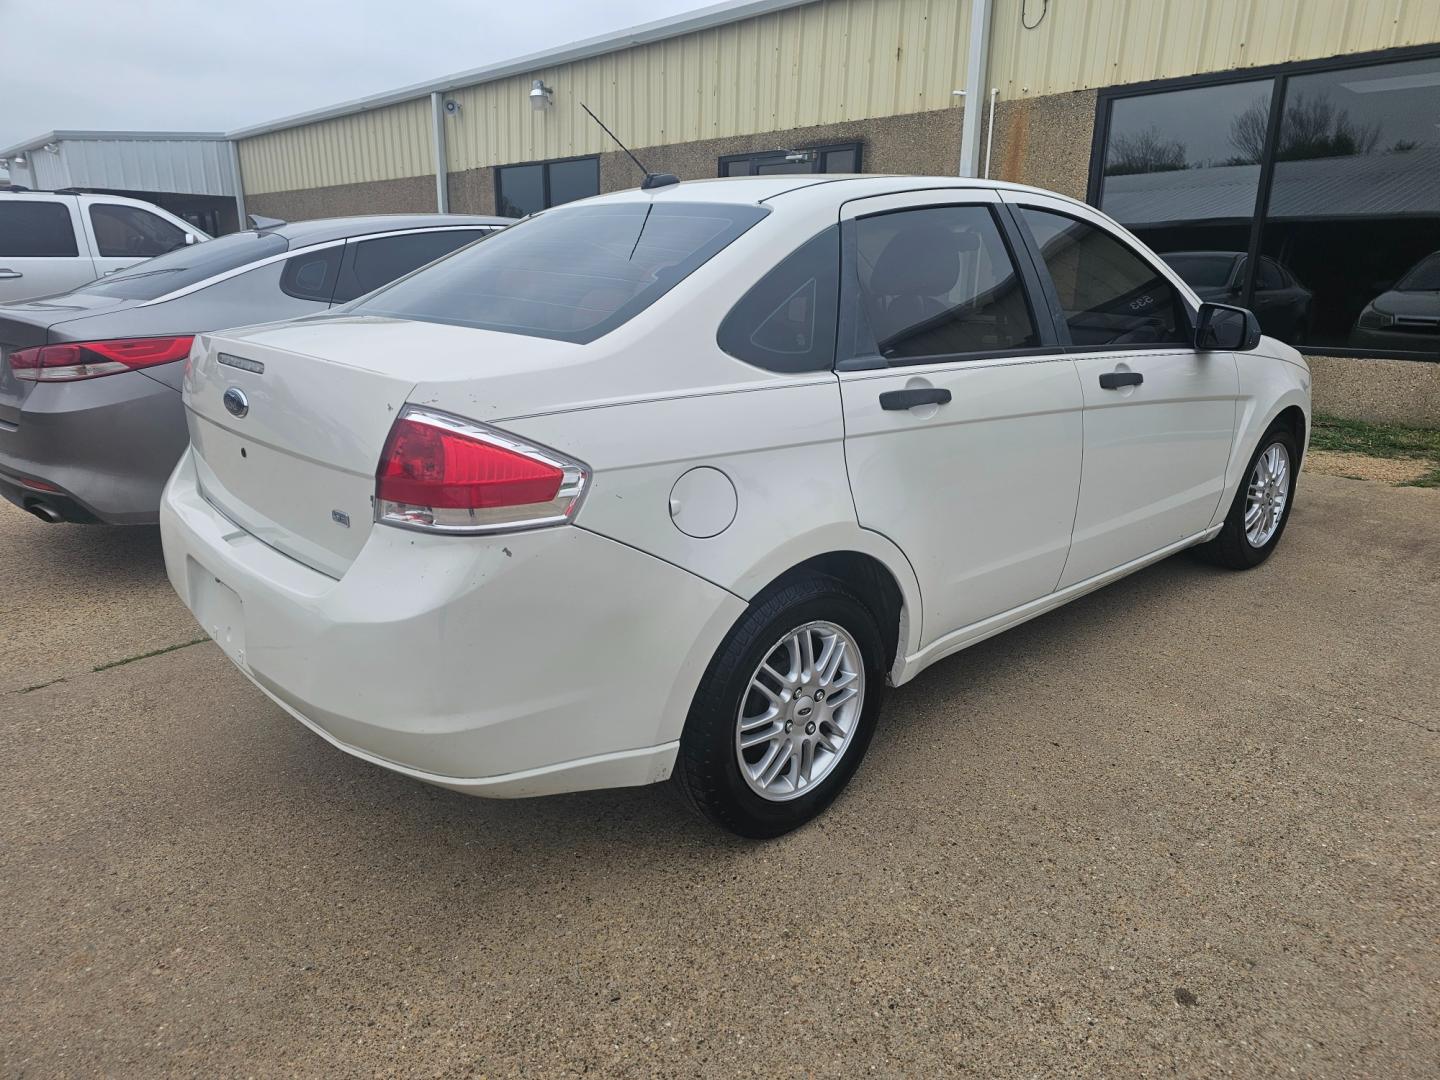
point(652, 180)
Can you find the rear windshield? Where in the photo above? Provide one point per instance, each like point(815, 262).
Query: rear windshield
point(184, 266)
point(1424, 276)
point(572, 273)
point(1202, 271)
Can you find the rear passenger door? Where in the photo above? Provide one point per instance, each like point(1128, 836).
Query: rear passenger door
point(962, 416)
point(41, 252)
point(1159, 414)
point(370, 263)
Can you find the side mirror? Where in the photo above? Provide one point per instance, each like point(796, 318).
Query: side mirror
point(1222, 326)
point(189, 239)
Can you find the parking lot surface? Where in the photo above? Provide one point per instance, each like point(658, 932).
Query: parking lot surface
point(1186, 825)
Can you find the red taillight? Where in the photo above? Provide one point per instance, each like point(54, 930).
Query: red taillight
point(91, 359)
point(441, 472)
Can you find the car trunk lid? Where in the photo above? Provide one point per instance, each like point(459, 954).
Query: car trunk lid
point(291, 459)
point(28, 324)
point(323, 394)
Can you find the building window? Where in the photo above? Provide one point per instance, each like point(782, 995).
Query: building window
point(525, 189)
point(1307, 195)
point(844, 158)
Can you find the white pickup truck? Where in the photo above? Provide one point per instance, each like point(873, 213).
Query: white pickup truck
point(52, 241)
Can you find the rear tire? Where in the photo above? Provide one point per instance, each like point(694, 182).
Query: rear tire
point(1261, 509)
point(764, 749)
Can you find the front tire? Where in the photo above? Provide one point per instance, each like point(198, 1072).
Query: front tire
point(1261, 509)
point(785, 711)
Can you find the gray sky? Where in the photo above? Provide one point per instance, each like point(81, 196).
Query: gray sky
point(214, 65)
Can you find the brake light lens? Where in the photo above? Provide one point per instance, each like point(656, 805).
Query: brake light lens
point(443, 473)
point(91, 359)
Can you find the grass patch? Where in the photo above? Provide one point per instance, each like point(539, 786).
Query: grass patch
point(1380, 440)
point(147, 655)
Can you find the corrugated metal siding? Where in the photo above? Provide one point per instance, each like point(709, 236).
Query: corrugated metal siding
point(382, 144)
point(822, 63)
point(187, 166)
point(180, 165)
point(1083, 44)
point(817, 64)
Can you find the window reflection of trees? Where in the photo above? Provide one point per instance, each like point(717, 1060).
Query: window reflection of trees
point(1312, 128)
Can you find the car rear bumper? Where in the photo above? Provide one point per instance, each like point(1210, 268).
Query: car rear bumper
point(519, 664)
point(107, 444)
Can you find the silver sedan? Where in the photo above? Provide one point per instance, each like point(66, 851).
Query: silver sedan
point(91, 421)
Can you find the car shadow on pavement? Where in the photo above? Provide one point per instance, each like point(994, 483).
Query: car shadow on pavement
point(654, 822)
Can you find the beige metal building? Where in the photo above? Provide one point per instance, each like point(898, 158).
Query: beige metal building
point(1285, 152)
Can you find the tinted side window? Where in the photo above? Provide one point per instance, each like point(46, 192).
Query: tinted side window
point(35, 229)
point(1269, 276)
point(311, 275)
point(131, 233)
point(1109, 293)
point(936, 282)
point(786, 322)
point(372, 263)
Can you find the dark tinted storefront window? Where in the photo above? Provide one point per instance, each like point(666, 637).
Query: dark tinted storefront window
point(1353, 201)
point(526, 189)
point(844, 158)
point(1356, 205)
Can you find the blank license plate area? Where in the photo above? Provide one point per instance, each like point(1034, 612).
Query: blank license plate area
point(219, 611)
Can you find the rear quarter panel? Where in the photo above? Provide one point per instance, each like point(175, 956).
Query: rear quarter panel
point(781, 447)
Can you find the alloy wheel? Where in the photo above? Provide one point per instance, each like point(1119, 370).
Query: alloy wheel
point(1269, 490)
point(800, 711)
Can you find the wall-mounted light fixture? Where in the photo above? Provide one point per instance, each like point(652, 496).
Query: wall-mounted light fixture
point(541, 96)
point(51, 148)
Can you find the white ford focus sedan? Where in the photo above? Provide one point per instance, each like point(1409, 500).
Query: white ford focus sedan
point(675, 482)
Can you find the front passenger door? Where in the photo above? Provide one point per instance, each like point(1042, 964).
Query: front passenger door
point(962, 418)
point(1159, 415)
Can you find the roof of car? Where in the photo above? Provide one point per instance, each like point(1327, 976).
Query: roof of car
point(320, 230)
point(839, 187)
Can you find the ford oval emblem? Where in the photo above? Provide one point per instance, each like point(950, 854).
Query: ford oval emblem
point(236, 403)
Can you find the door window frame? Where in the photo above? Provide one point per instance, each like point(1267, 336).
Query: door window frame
point(1280, 75)
point(1189, 302)
point(1041, 316)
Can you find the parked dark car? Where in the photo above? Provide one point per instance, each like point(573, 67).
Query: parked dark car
point(1281, 303)
point(91, 422)
point(1405, 316)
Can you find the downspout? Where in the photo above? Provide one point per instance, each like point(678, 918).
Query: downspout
point(977, 57)
point(990, 130)
point(442, 176)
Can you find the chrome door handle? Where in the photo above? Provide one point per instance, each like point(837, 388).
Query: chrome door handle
point(1114, 380)
point(7, 274)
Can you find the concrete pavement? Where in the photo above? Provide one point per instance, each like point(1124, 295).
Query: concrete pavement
point(1185, 826)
